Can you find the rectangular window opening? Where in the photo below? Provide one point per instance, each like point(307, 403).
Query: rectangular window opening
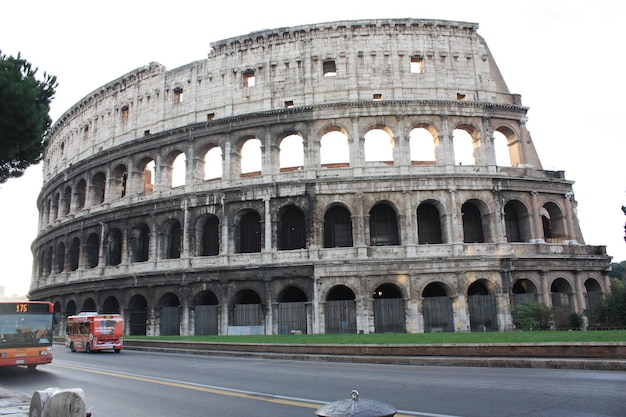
point(329, 68)
point(417, 65)
point(210, 116)
point(378, 97)
point(289, 103)
point(178, 95)
point(249, 80)
point(124, 112)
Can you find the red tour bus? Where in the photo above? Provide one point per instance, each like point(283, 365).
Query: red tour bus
point(89, 332)
point(26, 333)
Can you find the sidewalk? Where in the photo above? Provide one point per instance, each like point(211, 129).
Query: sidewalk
point(13, 404)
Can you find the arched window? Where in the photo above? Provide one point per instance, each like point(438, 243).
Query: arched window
point(292, 229)
point(74, 254)
point(60, 257)
point(251, 157)
point(501, 147)
point(119, 181)
point(213, 164)
point(463, 148)
point(250, 232)
point(67, 200)
point(148, 175)
point(516, 220)
point(98, 186)
point(210, 237)
point(337, 228)
point(422, 146)
point(92, 250)
point(383, 226)
point(553, 223)
point(378, 146)
point(472, 224)
point(114, 247)
point(428, 224)
point(179, 170)
point(334, 149)
point(81, 190)
point(291, 152)
point(174, 240)
point(140, 243)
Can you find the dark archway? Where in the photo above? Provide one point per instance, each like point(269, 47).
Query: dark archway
point(337, 228)
point(437, 308)
point(472, 224)
point(340, 310)
point(206, 313)
point(250, 233)
point(169, 315)
point(292, 233)
point(292, 311)
point(89, 305)
point(428, 224)
point(524, 291)
point(389, 311)
point(247, 309)
point(137, 315)
point(111, 306)
point(383, 226)
point(482, 306)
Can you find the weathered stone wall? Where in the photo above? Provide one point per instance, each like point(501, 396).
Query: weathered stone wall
point(110, 240)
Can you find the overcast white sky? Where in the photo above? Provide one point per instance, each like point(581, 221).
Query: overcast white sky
point(565, 58)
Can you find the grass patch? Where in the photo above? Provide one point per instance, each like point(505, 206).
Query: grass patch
point(413, 338)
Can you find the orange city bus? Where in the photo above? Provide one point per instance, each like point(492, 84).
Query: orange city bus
point(89, 332)
point(26, 333)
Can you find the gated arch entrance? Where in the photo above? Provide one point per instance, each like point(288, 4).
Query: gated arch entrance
point(206, 314)
point(137, 315)
point(389, 313)
point(437, 308)
point(292, 311)
point(340, 310)
point(524, 291)
point(482, 307)
point(169, 315)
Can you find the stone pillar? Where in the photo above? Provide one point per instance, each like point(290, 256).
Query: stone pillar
point(445, 148)
point(579, 288)
point(536, 225)
point(545, 288)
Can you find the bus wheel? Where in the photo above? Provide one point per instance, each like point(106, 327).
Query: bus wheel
point(118, 350)
point(88, 348)
point(72, 348)
point(32, 367)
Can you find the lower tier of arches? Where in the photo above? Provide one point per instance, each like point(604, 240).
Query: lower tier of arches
point(299, 299)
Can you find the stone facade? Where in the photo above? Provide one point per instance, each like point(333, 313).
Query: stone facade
point(357, 213)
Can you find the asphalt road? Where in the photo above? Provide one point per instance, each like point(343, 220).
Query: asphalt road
point(157, 385)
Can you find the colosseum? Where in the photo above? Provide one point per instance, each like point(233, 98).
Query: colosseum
point(346, 177)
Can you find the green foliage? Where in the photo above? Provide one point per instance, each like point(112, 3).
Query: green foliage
point(24, 119)
point(618, 271)
point(532, 316)
point(612, 311)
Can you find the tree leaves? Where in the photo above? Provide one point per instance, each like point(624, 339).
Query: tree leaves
point(24, 115)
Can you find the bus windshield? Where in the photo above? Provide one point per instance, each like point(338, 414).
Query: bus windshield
point(32, 330)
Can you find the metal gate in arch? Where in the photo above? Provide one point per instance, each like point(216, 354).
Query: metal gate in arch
point(206, 320)
point(340, 316)
point(389, 315)
point(169, 321)
point(483, 313)
point(292, 317)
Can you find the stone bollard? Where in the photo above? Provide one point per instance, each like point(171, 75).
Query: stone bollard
point(56, 402)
